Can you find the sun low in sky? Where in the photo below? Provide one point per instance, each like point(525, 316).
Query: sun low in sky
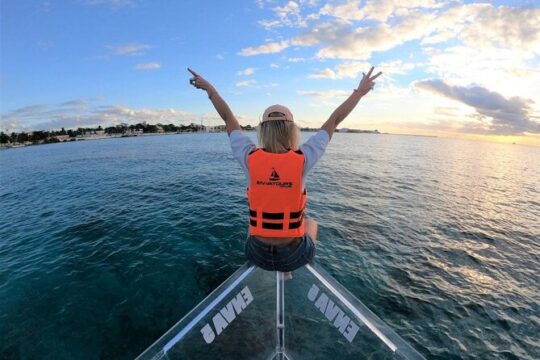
point(450, 68)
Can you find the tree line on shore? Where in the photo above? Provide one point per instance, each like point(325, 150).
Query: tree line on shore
point(53, 136)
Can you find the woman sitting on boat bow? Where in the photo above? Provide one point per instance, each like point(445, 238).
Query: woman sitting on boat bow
point(280, 237)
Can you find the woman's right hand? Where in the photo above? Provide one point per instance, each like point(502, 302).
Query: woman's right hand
point(199, 82)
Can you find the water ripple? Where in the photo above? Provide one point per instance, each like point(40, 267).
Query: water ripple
point(104, 245)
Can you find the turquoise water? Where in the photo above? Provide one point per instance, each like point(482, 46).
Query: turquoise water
point(105, 244)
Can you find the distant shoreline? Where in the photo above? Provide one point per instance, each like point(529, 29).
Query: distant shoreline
point(428, 136)
point(94, 134)
point(98, 137)
point(117, 136)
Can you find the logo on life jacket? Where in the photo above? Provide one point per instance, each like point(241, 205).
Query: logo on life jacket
point(274, 180)
point(274, 175)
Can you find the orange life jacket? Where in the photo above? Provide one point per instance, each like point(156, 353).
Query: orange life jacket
point(275, 195)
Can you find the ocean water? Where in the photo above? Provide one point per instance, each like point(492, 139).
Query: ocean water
point(105, 244)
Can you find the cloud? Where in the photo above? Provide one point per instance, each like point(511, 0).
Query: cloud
point(131, 49)
point(351, 70)
point(269, 24)
point(76, 102)
point(246, 83)
point(247, 71)
point(262, 3)
point(340, 39)
point(503, 70)
point(344, 41)
point(380, 10)
point(75, 113)
point(296, 59)
point(324, 74)
point(290, 15)
point(30, 110)
point(269, 48)
point(147, 66)
point(327, 94)
point(352, 30)
point(506, 27)
point(495, 114)
point(354, 69)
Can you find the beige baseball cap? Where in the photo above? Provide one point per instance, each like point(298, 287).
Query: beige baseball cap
point(277, 112)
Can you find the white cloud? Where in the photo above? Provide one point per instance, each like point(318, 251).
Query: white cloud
point(78, 113)
point(262, 3)
point(129, 49)
point(354, 69)
point(148, 66)
point(324, 74)
point(351, 70)
point(290, 15)
point(296, 59)
point(269, 48)
point(397, 22)
point(269, 24)
point(482, 26)
point(246, 83)
point(346, 42)
point(396, 67)
point(502, 70)
point(246, 72)
point(485, 26)
point(327, 94)
point(380, 10)
point(274, 66)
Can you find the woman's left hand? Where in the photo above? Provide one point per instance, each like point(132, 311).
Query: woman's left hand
point(367, 84)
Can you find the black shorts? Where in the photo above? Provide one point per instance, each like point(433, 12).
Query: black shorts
point(280, 258)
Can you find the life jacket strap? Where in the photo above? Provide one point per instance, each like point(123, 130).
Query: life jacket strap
point(274, 223)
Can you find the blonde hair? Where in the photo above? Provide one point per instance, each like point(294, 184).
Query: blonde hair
point(278, 136)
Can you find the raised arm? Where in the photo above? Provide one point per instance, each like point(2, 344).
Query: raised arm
point(343, 110)
point(221, 106)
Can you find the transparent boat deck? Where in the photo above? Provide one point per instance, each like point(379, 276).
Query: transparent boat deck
point(256, 314)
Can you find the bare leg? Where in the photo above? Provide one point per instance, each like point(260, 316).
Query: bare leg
point(311, 230)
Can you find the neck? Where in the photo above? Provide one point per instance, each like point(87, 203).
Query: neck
point(280, 149)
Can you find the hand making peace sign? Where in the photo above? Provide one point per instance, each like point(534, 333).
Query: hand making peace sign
point(367, 84)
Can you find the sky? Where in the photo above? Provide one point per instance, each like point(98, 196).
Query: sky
point(450, 68)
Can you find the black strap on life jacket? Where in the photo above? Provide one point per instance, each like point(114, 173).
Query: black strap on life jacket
point(296, 215)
